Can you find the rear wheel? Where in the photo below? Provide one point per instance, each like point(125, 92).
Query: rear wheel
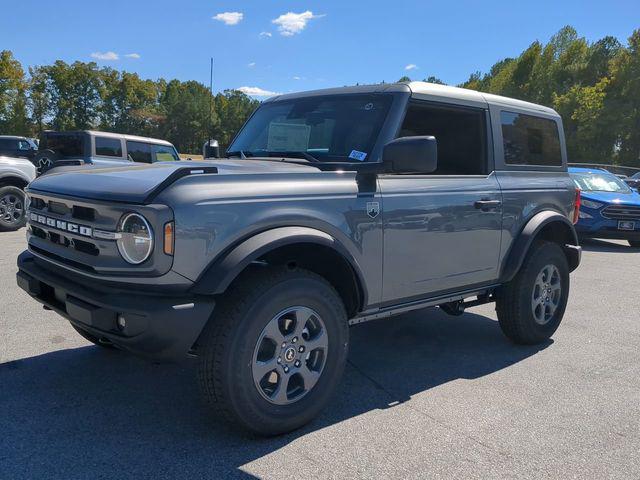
point(531, 306)
point(274, 352)
point(634, 243)
point(12, 208)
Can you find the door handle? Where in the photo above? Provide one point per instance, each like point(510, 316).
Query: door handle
point(486, 205)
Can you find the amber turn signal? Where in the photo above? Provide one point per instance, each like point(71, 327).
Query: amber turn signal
point(169, 230)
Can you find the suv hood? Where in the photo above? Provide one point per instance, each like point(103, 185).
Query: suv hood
point(631, 198)
point(135, 183)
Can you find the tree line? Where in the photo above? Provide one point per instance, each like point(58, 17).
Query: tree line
point(595, 86)
point(81, 96)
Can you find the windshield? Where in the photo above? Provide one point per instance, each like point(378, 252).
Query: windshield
point(599, 182)
point(326, 128)
point(636, 176)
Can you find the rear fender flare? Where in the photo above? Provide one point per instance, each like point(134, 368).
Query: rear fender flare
point(530, 232)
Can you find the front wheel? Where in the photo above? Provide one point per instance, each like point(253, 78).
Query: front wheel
point(12, 208)
point(531, 306)
point(273, 354)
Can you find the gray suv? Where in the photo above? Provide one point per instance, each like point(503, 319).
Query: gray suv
point(332, 208)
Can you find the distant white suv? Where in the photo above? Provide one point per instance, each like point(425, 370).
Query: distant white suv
point(15, 174)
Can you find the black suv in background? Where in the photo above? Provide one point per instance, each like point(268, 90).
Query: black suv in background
point(99, 148)
point(15, 146)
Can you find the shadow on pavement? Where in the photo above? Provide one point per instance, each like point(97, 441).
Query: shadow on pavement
point(88, 412)
point(596, 245)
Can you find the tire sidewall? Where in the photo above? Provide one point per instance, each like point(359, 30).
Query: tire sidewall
point(547, 254)
point(257, 413)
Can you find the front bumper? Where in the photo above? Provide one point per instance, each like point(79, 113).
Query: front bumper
point(158, 326)
point(600, 227)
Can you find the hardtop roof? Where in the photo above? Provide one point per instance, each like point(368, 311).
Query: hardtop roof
point(133, 138)
point(433, 90)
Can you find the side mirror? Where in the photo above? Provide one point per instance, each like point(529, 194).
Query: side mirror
point(411, 155)
point(211, 149)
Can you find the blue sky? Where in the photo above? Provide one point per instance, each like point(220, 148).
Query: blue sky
point(282, 46)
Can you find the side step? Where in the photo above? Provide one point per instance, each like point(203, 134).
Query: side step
point(483, 295)
point(458, 307)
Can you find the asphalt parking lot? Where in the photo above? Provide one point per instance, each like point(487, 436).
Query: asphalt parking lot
point(424, 396)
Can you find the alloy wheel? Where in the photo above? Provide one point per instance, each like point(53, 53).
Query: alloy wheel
point(546, 295)
point(290, 355)
point(11, 209)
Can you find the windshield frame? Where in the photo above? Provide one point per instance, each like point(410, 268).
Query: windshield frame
point(605, 175)
point(386, 133)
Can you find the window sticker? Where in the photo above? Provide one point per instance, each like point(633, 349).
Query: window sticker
point(288, 137)
point(356, 155)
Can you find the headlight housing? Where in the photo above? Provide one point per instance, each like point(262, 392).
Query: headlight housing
point(591, 204)
point(135, 242)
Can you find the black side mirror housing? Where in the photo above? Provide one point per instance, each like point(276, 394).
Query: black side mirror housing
point(211, 149)
point(411, 155)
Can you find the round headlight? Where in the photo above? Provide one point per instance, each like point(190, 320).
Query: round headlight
point(136, 238)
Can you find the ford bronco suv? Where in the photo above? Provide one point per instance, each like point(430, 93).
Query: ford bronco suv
point(61, 149)
point(331, 208)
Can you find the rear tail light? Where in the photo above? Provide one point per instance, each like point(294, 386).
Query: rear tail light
point(169, 240)
point(576, 207)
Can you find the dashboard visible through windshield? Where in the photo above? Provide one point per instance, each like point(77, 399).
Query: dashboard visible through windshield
point(336, 128)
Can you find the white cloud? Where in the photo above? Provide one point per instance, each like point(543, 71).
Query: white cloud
point(229, 18)
point(251, 65)
point(133, 55)
point(266, 34)
point(297, 78)
point(257, 92)
point(411, 66)
point(291, 23)
point(109, 56)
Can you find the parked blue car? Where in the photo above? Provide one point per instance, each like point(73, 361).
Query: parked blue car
point(610, 209)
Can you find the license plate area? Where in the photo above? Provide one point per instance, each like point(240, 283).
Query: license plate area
point(626, 225)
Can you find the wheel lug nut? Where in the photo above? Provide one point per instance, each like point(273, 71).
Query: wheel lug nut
point(297, 364)
point(294, 339)
point(301, 349)
point(286, 369)
point(284, 344)
point(279, 360)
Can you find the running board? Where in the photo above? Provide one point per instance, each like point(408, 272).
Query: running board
point(431, 302)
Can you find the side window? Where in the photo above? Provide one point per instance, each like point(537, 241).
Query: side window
point(23, 145)
point(164, 153)
point(139, 152)
point(530, 140)
point(108, 147)
point(460, 132)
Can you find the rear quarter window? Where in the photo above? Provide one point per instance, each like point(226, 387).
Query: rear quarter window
point(108, 147)
point(530, 140)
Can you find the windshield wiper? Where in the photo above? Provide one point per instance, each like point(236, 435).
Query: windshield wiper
point(240, 154)
point(294, 154)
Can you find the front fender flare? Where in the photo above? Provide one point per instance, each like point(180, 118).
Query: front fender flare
point(534, 226)
point(225, 268)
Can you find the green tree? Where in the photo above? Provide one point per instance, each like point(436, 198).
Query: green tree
point(13, 96)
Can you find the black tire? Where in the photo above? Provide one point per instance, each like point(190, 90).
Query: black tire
point(93, 339)
point(13, 215)
point(514, 304)
point(230, 341)
point(634, 243)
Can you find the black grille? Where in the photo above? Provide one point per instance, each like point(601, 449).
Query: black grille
point(621, 212)
point(76, 211)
